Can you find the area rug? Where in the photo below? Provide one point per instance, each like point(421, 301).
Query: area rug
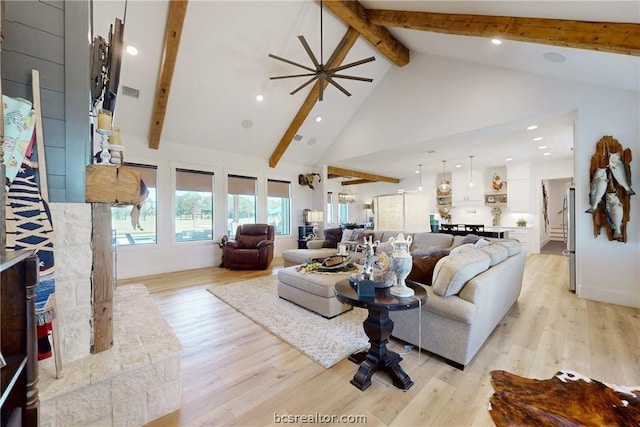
point(326, 341)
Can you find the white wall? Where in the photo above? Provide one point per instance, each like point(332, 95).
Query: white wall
point(167, 255)
point(434, 97)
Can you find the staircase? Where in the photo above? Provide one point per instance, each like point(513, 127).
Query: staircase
point(556, 234)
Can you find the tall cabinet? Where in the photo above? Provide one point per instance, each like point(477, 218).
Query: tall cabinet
point(19, 400)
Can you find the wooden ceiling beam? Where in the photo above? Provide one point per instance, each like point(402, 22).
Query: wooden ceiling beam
point(356, 182)
point(363, 175)
point(620, 38)
point(351, 35)
point(355, 15)
point(173, 32)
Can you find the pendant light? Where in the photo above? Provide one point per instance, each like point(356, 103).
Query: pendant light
point(445, 186)
point(471, 172)
point(420, 171)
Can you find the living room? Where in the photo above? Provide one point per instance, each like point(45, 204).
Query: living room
point(433, 97)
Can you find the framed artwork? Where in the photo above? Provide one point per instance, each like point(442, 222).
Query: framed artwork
point(491, 199)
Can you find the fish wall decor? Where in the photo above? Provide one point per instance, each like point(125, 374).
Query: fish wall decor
point(610, 189)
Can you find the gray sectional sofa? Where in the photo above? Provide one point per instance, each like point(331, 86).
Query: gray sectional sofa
point(470, 289)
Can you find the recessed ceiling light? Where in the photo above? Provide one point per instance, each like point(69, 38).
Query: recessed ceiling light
point(318, 119)
point(546, 154)
point(542, 147)
point(458, 166)
point(508, 159)
point(537, 138)
point(497, 42)
point(532, 127)
point(259, 98)
point(246, 124)
point(553, 57)
point(131, 50)
point(311, 141)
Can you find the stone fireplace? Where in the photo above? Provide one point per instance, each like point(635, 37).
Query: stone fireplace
point(135, 381)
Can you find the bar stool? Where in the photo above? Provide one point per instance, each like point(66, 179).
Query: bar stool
point(475, 228)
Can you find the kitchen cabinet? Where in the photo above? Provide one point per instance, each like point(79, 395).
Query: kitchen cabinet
point(524, 236)
point(464, 195)
point(518, 196)
point(519, 188)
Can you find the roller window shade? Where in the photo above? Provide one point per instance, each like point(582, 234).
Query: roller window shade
point(278, 189)
point(242, 185)
point(147, 173)
point(189, 180)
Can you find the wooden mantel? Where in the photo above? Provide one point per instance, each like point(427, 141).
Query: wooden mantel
point(105, 186)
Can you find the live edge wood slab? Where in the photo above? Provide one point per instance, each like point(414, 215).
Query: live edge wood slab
point(109, 184)
point(567, 399)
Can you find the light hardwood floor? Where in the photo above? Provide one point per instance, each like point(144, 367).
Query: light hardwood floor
point(235, 373)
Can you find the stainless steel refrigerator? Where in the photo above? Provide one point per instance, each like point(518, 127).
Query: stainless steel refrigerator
point(569, 227)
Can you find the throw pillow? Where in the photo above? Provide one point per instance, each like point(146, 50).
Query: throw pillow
point(347, 235)
point(452, 272)
point(423, 265)
point(481, 243)
point(470, 238)
point(497, 253)
point(331, 237)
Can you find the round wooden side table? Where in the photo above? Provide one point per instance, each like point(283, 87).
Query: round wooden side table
point(378, 327)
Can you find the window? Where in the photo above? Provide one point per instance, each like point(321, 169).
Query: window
point(329, 207)
point(194, 205)
point(241, 202)
point(279, 206)
point(133, 226)
point(343, 213)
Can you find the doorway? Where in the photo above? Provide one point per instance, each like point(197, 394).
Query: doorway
point(554, 240)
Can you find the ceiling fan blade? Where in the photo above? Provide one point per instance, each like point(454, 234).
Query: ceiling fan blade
point(352, 64)
point(309, 52)
point(292, 63)
point(343, 90)
point(335, 53)
point(304, 84)
point(342, 76)
point(293, 75)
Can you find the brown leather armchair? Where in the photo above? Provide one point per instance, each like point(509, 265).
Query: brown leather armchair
point(252, 248)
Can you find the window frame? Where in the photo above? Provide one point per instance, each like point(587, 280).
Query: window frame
point(174, 185)
point(289, 213)
point(232, 232)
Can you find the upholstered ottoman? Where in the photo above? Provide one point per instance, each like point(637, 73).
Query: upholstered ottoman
point(313, 291)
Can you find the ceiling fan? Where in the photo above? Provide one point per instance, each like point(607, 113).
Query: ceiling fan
point(322, 70)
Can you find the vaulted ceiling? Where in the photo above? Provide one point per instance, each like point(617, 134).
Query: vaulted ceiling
point(222, 64)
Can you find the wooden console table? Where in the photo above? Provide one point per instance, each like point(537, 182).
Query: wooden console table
point(378, 327)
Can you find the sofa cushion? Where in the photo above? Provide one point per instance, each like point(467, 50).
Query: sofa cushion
point(463, 248)
point(315, 244)
point(453, 271)
point(331, 237)
point(427, 240)
point(513, 247)
point(497, 253)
